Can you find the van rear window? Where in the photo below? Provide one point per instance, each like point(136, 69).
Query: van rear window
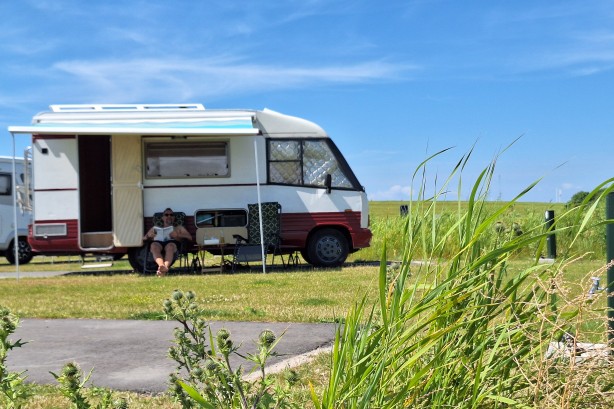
point(190, 159)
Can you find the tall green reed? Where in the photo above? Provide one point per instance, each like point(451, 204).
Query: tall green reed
point(454, 326)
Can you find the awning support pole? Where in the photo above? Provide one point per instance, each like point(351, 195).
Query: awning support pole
point(16, 237)
point(259, 208)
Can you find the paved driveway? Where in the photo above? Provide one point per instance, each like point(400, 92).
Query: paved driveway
point(132, 355)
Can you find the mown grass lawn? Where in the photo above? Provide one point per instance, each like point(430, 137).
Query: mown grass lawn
point(302, 296)
point(310, 295)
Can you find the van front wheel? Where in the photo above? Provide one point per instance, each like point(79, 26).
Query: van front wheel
point(24, 252)
point(327, 248)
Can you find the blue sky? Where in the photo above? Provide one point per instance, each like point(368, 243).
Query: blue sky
point(391, 81)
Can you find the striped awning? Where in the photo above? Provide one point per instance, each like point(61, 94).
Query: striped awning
point(197, 126)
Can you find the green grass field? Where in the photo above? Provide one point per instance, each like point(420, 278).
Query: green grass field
point(299, 295)
point(305, 295)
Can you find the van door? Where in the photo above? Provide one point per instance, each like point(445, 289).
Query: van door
point(94, 191)
point(127, 191)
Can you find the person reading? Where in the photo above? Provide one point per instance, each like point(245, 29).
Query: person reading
point(166, 241)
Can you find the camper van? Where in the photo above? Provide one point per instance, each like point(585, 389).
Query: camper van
point(7, 211)
point(101, 172)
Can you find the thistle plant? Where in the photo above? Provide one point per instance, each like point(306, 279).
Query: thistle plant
point(460, 328)
point(13, 392)
point(73, 387)
point(210, 381)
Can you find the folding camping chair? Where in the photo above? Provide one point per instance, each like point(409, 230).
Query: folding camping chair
point(250, 249)
point(181, 256)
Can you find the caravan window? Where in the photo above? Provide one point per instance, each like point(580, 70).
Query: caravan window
point(5, 184)
point(190, 159)
point(307, 162)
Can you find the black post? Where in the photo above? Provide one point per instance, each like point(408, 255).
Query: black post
point(404, 209)
point(551, 239)
point(609, 229)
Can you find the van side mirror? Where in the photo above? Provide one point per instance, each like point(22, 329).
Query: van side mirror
point(328, 182)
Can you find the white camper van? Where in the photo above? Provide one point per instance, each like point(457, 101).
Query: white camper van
point(7, 214)
point(102, 171)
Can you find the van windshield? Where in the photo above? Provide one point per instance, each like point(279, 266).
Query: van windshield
point(307, 162)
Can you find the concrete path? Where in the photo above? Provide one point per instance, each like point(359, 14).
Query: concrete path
point(132, 355)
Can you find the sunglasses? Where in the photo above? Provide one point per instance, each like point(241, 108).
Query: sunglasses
point(169, 214)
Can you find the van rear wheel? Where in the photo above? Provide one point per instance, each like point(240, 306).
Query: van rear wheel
point(327, 248)
point(24, 252)
point(305, 255)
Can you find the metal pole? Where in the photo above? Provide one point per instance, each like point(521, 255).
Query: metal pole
point(15, 227)
point(259, 208)
point(551, 239)
point(609, 214)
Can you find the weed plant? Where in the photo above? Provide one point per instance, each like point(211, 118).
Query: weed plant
point(73, 387)
point(455, 328)
point(210, 381)
point(13, 391)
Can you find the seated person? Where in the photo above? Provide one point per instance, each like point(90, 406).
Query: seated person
point(163, 249)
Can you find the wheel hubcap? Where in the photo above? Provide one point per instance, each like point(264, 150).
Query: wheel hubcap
point(329, 249)
point(23, 250)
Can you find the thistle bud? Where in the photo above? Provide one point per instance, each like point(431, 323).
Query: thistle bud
point(223, 339)
point(121, 403)
point(210, 365)
point(267, 338)
point(198, 371)
point(292, 376)
point(177, 295)
point(223, 334)
point(70, 369)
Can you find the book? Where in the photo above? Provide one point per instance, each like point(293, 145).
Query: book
point(163, 233)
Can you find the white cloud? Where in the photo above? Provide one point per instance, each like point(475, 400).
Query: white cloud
point(156, 79)
point(395, 192)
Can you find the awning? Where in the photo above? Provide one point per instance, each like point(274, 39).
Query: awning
point(208, 126)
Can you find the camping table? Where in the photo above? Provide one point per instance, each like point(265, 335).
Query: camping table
point(203, 249)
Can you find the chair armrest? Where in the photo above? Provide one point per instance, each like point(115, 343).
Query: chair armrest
point(238, 238)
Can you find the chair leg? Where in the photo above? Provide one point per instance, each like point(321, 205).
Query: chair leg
point(277, 252)
point(292, 260)
point(195, 265)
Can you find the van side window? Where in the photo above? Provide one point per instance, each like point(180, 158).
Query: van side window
point(5, 184)
point(285, 162)
point(306, 163)
point(190, 159)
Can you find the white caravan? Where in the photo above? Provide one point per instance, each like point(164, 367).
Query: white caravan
point(7, 212)
point(102, 171)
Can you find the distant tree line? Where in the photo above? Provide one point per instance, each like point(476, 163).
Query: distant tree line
point(579, 197)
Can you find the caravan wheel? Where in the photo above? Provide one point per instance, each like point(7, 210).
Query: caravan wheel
point(24, 252)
